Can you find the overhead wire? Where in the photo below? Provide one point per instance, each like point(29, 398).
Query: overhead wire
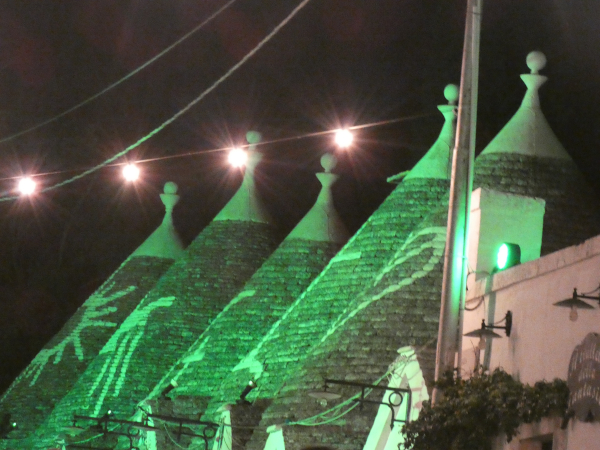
point(182, 111)
point(222, 149)
point(121, 80)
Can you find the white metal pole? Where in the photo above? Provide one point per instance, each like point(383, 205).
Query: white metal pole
point(461, 185)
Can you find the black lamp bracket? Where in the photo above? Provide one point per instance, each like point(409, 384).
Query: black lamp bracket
point(362, 398)
point(507, 327)
point(587, 295)
point(133, 428)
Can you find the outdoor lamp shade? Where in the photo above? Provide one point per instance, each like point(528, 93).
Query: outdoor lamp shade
point(482, 333)
point(573, 302)
point(324, 394)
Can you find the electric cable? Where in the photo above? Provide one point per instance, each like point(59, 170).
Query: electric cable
point(222, 149)
point(181, 111)
point(121, 80)
point(171, 438)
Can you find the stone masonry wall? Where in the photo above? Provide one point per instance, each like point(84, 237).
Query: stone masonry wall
point(350, 271)
point(246, 319)
point(400, 308)
point(56, 368)
point(168, 320)
point(572, 210)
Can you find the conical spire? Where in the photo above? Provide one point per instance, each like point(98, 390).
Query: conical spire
point(245, 205)
point(164, 242)
point(528, 131)
point(436, 162)
point(322, 222)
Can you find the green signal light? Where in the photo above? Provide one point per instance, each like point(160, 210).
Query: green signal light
point(508, 255)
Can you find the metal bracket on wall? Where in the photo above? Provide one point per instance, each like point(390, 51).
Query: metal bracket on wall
point(134, 429)
point(394, 400)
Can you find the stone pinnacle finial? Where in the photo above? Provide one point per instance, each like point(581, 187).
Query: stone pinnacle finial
point(164, 242)
point(245, 205)
point(437, 161)
point(169, 198)
point(536, 61)
point(328, 162)
point(528, 131)
point(322, 222)
point(451, 93)
point(253, 137)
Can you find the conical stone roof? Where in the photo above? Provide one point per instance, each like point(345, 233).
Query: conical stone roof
point(56, 368)
point(280, 352)
point(262, 301)
point(167, 321)
point(527, 159)
point(400, 308)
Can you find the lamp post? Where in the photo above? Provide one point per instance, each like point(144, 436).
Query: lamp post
point(461, 185)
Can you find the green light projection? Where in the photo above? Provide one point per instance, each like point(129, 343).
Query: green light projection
point(508, 255)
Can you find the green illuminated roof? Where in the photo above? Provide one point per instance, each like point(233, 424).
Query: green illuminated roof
point(528, 132)
point(56, 368)
point(399, 308)
point(246, 205)
point(322, 222)
point(436, 162)
point(281, 352)
point(263, 299)
point(164, 242)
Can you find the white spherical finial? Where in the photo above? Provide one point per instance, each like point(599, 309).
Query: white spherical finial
point(451, 93)
point(536, 61)
point(170, 188)
point(328, 162)
point(253, 137)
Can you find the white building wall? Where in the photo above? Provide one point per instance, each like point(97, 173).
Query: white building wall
point(543, 338)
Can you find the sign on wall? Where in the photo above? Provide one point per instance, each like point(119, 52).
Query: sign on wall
point(584, 379)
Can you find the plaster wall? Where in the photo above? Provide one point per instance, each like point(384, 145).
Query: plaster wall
point(543, 338)
point(498, 217)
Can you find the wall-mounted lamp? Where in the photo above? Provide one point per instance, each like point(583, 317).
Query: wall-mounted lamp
point(324, 395)
point(575, 303)
point(508, 255)
point(251, 385)
point(6, 426)
point(172, 385)
point(393, 401)
point(109, 425)
point(485, 332)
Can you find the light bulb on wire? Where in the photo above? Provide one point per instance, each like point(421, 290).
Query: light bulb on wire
point(131, 172)
point(237, 157)
point(343, 138)
point(482, 343)
point(26, 186)
point(573, 315)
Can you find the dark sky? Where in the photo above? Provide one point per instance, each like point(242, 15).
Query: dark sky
point(347, 62)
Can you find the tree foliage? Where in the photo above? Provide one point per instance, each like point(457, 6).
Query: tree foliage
point(475, 410)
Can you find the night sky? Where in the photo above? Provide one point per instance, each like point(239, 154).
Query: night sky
point(338, 62)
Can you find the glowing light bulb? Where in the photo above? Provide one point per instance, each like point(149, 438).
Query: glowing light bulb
point(573, 315)
point(343, 138)
point(26, 186)
point(131, 172)
point(482, 343)
point(237, 157)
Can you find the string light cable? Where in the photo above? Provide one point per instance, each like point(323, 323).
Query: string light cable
point(171, 438)
point(123, 79)
point(310, 421)
point(182, 111)
point(221, 149)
